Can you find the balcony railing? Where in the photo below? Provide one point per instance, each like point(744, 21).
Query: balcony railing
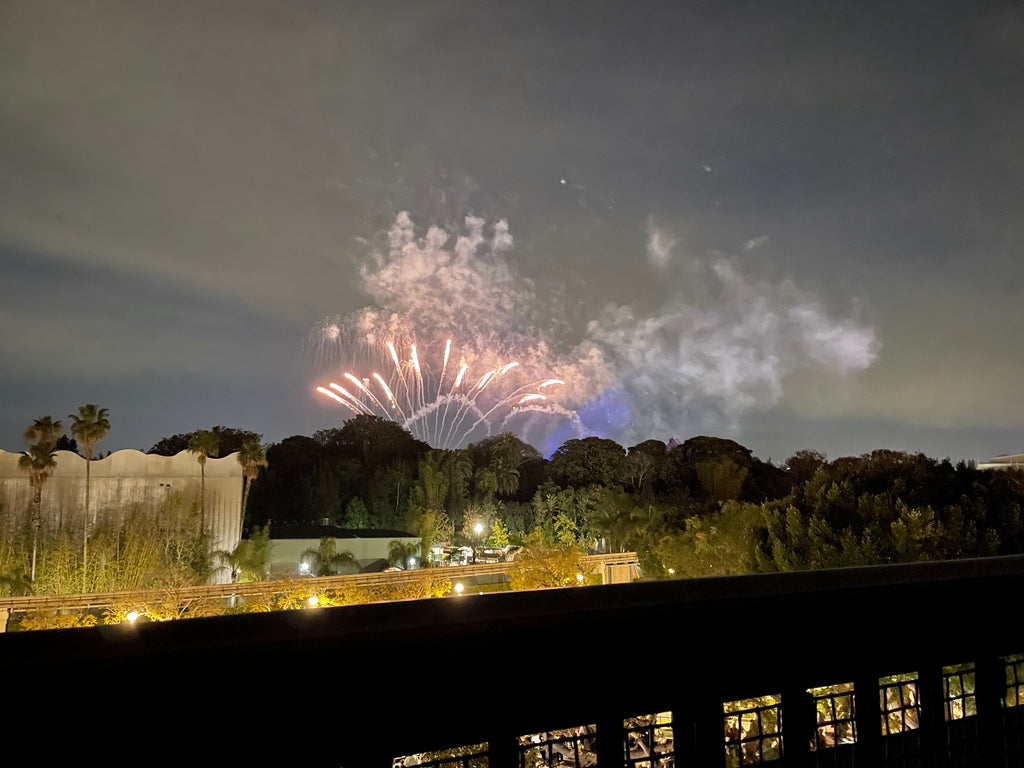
point(909, 665)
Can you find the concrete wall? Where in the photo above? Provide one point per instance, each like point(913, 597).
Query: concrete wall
point(130, 477)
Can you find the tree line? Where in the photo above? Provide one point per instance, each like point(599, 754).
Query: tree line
point(705, 506)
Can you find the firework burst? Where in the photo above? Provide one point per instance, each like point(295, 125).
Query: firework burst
point(446, 404)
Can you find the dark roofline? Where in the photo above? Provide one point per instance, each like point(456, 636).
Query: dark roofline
point(334, 532)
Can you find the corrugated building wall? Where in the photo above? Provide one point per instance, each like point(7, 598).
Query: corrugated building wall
point(131, 477)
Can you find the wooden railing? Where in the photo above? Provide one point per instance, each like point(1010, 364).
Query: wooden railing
point(101, 600)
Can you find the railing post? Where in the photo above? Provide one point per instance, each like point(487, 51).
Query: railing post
point(868, 749)
point(503, 751)
point(989, 690)
point(797, 726)
point(932, 727)
point(706, 726)
point(610, 736)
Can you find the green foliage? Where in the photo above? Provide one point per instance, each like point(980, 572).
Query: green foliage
point(612, 519)
point(431, 489)
point(229, 440)
point(90, 426)
point(559, 513)
point(518, 518)
point(485, 482)
point(400, 552)
point(250, 559)
point(389, 495)
point(325, 560)
point(356, 514)
point(253, 457)
point(590, 461)
point(720, 544)
point(642, 465)
point(499, 538)
point(205, 444)
point(892, 507)
point(37, 462)
point(51, 619)
point(497, 460)
point(539, 564)
point(44, 431)
point(432, 528)
point(722, 478)
point(145, 545)
point(321, 493)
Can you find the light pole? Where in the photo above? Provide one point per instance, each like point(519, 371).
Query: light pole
point(478, 532)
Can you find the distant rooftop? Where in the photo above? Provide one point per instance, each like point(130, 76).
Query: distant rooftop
point(1004, 461)
point(334, 532)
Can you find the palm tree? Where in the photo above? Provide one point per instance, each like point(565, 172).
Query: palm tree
point(44, 431)
point(250, 559)
point(458, 469)
point(37, 461)
point(506, 457)
point(252, 456)
point(203, 443)
point(89, 427)
point(325, 560)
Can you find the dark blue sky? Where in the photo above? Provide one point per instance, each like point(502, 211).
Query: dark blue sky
point(796, 224)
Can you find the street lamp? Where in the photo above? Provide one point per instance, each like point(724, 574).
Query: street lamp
point(478, 531)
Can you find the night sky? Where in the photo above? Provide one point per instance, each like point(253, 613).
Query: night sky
point(794, 224)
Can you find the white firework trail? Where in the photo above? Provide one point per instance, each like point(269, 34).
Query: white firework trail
point(445, 412)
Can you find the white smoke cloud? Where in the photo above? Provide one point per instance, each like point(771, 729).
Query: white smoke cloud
point(659, 244)
point(714, 353)
point(755, 242)
point(723, 346)
point(469, 287)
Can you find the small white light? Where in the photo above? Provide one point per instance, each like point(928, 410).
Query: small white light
point(579, 577)
point(671, 571)
point(459, 587)
point(132, 616)
point(314, 601)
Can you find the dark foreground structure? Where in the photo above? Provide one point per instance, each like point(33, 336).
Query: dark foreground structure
point(910, 665)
